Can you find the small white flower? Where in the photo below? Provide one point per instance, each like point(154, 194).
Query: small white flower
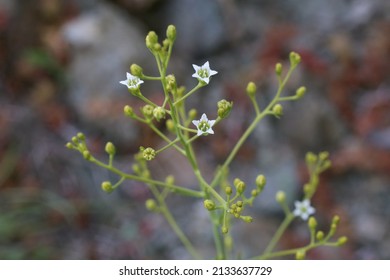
point(303, 209)
point(204, 125)
point(132, 82)
point(203, 73)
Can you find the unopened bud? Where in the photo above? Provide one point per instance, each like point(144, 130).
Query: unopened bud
point(107, 187)
point(128, 111)
point(300, 92)
point(159, 113)
point(295, 59)
point(260, 182)
point(136, 70)
point(280, 196)
point(209, 204)
point(300, 255)
point(151, 204)
point(251, 89)
point(277, 110)
point(171, 33)
point(224, 108)
point(278, 69)
point(246, 219)
point(110, 148)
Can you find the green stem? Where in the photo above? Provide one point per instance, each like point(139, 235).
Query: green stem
point(198, 86)
point(282, 228)
point(173, 188)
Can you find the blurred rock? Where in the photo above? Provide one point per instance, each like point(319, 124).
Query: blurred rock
point(105, 42)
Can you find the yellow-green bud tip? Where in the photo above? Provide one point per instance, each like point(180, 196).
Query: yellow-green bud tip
point(224, 108)
point(320, 235)
point(209, 204)
point(280, 196)
point(151, 204)
point(342, 240)
point(192, 114)
point(260, 182)
point(128, 111)
point(170, 125)
point(69, 145)
point(247, 219)
point(277, 110)
point(171, 33)
point(151, 39)
point(110, 148)
point(136, 70)
point(240, 187)
point(170, 180)
point(251, 89)
point(312, 223)
point(107, 187)
point(300, 92)
point(278, 69)
point(228, 190)
point(224, 230)
point(87, 155)
point(295, 59)
point(159, 113)
point(81, 136)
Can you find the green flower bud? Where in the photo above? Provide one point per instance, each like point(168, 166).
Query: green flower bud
point(247, 219)
point(326, 164)
point(278, 69)
point(148, 153)
point(342, 240)
point(254, 193)
point(128, 111)
point(157, 47)
point(300, 92)
point(240, 203)
point(280, 197)
point(312, 223)
point(81, 136)
point(277, 110)
point(170, 180)
point(159, 113)
point(323, 155)
point(209, 204)
point(307, 188)
point(166, 43)
point(87, 155)
point(228, 190)
point(251, 89)
point(224, 230)
point(107, 187)
point(192, 114)
point(136, 168)
point(295, 59)
point(224, 108)
point(136, 70)
point(69, 146)
point(151, 204)
point(260, 182)
point(110, 148)
point(238, 209)
point(336, 220)
point(300, 255)
point(147, 110)
point(151, 39)
point(236, 215)
point(171, 83)
point(75, 140)
point(170, 125)
point(311, 158)
point(240, 187)
point(171, 33)
point(320, 235)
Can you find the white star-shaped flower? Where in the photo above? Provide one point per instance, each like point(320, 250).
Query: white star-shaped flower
point(132, 82)
point(204, 125)
point(203, 73)
point(303, 209)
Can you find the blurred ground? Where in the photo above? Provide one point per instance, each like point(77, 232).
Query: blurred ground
point(61, 63)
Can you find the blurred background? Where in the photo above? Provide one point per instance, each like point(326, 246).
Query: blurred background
point(61, 63)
